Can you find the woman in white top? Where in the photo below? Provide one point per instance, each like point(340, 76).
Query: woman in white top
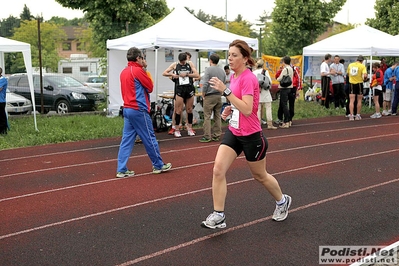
point(265, 100)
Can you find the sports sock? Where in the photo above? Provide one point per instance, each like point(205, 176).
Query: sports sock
point(221, 213)
point(177, 120)
point(281, 202)
point(190, 118)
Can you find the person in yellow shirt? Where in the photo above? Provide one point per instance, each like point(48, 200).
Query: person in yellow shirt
point(357, 74)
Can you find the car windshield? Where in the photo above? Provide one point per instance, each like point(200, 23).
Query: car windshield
point(65, 81)
point(97, 79)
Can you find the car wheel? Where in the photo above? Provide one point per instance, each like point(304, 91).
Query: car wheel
point(62, 107)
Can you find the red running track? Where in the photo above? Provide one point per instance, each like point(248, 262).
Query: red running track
point(61, 205)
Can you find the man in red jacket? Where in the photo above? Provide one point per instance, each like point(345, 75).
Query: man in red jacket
point(136, 87)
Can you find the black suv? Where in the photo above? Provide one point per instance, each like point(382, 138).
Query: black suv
point(61, 93)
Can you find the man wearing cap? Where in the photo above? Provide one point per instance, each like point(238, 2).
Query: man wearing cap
point(357, 74)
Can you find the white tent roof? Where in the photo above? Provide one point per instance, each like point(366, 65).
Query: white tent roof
point(182, 30)
point(363, 40)
point(8, 45)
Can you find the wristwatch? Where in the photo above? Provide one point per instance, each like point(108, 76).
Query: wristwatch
point(226, 92)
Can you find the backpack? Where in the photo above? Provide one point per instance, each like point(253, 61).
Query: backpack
point(295, 78)
point(263, 80)
point(158, 120)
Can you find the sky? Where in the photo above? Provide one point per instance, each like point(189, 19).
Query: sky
point(354, 11)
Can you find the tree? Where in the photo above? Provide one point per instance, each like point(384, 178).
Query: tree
point(297, 23)
point(386, 16)
point(118, 19)
point(26, 15)
point(7, 26)
point(51, 35)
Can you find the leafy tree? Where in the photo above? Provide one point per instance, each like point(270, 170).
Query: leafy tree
point(26, 15)
point(7, 26)
point(342, 28)
point(51, 35)
point(297, 23)
point(118, 19)
point(386, 16)
point(67, 22)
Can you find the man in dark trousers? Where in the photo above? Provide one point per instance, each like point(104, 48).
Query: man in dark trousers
point(325, 81)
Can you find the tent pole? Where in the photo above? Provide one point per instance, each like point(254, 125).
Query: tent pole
point(156, 73)
point(371, 74)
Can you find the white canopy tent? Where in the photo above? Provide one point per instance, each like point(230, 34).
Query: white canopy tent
point(178, 31)
point(10, 46)
point(363, 40)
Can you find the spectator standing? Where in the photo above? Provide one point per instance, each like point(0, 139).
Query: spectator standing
point(325, 81)
point(286, 69)
point(376, 85)
point(396, 90)
point(212, 101)
point(337, 72)
point(244, 134)
point(136, 87)
point(388, 82)
point(228, 75)
point(265, 100)
point(296, 85)
point(357, 74)
point(182, 74)
point(3, 94)
point(383, 65)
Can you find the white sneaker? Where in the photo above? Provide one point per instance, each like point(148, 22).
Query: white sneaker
point(358, 117)
point(376, 115)
point(190, 132)
point(214, 220)
point(281, 211)
point(385, 113)
point(177, 134)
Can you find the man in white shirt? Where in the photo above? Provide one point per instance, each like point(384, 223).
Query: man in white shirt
point(325, 81)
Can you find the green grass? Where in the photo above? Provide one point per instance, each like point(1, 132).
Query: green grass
point(58, 129)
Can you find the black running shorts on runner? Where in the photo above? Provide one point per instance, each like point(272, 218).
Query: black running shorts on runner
point(254, 145)
point(356, 88)
point(186, 92)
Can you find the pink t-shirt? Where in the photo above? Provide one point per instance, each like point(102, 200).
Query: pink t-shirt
point(245, 84)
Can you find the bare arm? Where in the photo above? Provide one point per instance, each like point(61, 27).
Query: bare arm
point(168, 73)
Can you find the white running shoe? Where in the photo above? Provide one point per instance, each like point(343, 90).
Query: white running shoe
point(177, 134)
point(190, 132)
point(376, 115)
point(281, 211)
point(358, 117)
point(214, 220)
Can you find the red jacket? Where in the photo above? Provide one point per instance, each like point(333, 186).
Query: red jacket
point(136, 87)
point(295, 79)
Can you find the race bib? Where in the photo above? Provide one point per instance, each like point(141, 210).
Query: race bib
point(235, 118)
point(354, 71)
point(184, 80)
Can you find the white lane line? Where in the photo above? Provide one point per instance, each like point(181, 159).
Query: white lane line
point(241, 226)
point(206, 189)
point(199, 147)
point(174, 168)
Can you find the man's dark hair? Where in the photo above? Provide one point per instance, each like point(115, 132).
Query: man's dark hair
point(214, 58)
point(133, 53)
point(287, 60)
point(342, 61)
point(226, 67)
point(182, 57)
point(188, 54)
